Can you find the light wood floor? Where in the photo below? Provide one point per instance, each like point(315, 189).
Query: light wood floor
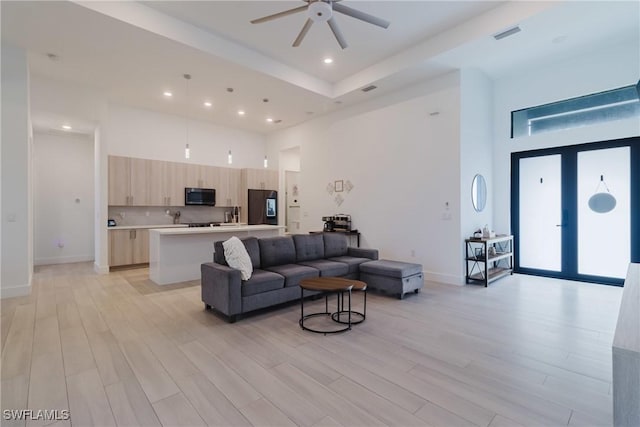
point(118, 350)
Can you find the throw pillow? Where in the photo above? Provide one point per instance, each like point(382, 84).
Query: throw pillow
point(237, 257)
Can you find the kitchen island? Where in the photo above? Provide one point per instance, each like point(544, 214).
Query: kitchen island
point(175, 254)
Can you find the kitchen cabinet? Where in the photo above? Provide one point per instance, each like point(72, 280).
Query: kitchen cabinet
point(201, 176)
point(166, 183)
point(143, 182)
point(128, 181)
point(174, 183)
point(488, 259)
point(228, 187)
point(260, 179)
point(119, 181)
point(128, 247)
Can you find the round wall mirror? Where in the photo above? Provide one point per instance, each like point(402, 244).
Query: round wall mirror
point(479, 193)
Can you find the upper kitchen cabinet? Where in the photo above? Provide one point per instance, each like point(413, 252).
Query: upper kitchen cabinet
point(201, 176)
point(174, 179)
point(259, 179)
point(228, 187)
point(128, 181)
point(119, 181)
point(166, 183)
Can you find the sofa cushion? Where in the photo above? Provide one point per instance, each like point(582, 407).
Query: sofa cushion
point(388, 268)
point(277, 250)
point(308, 246)
point(352, 262)
point(250, 243)
point(335, 244)
point(293, 273)
point(328, 268)
point(262, 281)
point(237, 257)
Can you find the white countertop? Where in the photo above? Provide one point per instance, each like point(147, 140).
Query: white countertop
point(137, 227)
point(221, 229)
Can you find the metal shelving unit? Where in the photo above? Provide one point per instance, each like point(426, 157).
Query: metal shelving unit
point(489, 259)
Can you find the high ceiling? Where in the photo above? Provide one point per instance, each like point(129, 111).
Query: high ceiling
point(131, 52)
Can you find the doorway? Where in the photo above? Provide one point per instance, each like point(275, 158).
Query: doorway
point(575, 210)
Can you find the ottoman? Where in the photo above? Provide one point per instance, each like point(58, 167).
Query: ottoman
point(393, 277)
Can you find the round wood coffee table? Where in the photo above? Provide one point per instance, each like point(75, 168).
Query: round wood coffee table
point(328, 285)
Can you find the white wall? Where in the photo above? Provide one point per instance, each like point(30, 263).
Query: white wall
point(16, 220)
point(146, 134)
point(476, 146)
point(476, 150)
point(600, 70)
point(63, 198)
point(404, 165)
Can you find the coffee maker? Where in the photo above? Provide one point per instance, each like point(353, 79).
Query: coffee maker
point(338, 222)
point(329, 223)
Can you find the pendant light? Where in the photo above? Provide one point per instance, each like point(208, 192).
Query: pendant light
point(602, 202)
point(187, 151)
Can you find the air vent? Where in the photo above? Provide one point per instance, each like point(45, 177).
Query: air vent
point(369, 88)
point(507, 33)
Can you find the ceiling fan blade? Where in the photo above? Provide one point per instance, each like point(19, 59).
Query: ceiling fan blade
point(303, 32)
point(337, 33)
point(360, 15)
point(279, 15)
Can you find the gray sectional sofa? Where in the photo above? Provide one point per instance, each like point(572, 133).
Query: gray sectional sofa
point(279, 263)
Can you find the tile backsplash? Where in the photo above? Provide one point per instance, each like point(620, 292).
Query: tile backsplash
point(154, 215)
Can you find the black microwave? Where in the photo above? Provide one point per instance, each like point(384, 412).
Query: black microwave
point(200, 196)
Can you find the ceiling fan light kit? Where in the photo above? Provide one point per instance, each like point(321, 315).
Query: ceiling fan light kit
point(323, 11)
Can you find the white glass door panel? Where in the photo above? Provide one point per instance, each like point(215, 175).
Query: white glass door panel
point(540, 210)
point(604, 239)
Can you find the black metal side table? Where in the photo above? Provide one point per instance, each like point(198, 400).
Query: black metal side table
point(328, 285)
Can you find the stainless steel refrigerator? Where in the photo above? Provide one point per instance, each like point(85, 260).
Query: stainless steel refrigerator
point(263, 207)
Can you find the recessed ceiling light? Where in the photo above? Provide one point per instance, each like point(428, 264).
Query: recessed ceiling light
point(66, 127)
point(327, 61)
point(207, 104)
point(241, 113)
point(269, 119)
point(167, 94)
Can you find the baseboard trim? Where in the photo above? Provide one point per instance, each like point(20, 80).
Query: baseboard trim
point(15, 291)
point(63, 260)
point(443, 278)
point(99, 269)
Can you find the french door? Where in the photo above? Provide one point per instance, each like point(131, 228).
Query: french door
point(575, 210)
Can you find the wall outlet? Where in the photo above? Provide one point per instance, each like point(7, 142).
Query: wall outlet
point(146, 213)
point(446, 216)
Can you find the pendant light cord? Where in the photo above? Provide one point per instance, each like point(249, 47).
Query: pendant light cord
point(603, 183)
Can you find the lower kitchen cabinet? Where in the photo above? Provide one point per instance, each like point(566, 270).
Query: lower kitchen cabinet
point(128, 247)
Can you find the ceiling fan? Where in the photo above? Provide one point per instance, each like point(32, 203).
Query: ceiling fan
point(322, 11)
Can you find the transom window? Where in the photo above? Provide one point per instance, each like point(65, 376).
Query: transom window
point(616, 104)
